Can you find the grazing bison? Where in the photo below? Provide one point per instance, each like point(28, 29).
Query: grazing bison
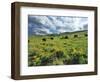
point(75, 36)
point(28, 41)
point(43, 39)
point(85, 35)
point(51, 38)
point(66, 37)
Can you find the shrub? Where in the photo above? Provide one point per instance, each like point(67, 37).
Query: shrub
point(76, 57)
point(30, 63)
point(33, 54)
point(32, 58)
point(82, 59)
point(79, 59)
point(44, 60)
point(58, 54)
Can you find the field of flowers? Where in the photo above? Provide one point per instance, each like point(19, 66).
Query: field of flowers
point(58, 49)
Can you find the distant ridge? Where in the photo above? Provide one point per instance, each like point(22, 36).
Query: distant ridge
point(61, 33)
point(74, 32)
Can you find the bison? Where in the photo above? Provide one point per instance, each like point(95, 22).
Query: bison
point(75, 36)
point(66, 37)
point(44, 39)
point(85, 35)
point(51, 38)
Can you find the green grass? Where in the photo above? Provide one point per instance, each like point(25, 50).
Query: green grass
point(57, 51)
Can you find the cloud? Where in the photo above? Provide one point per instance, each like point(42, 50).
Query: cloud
point(55, 24)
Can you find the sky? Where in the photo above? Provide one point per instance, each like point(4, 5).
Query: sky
point(42, 25)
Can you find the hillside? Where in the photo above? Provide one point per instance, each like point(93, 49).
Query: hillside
point(58, 49)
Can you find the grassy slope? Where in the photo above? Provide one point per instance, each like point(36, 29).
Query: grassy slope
point(70, 51)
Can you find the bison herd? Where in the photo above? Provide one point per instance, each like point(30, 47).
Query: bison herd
point(64, 37)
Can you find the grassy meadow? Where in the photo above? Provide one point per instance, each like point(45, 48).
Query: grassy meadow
point(58, 49)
